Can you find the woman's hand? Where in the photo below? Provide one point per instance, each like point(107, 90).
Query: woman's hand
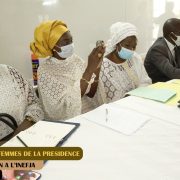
point(94, 62)
point(95, 58)
point(23, 126)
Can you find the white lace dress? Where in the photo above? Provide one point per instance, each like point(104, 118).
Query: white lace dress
point(59, 87)
point(17, 98)
point(117, 79)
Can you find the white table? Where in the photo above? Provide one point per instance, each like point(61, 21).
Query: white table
point(152, 153)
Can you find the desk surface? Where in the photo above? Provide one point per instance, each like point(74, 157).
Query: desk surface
point(153, 152)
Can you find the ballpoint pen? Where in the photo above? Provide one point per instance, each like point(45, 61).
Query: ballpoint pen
point(106, 114)
point(21, 141)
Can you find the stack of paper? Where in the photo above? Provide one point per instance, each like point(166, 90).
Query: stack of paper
point(124, 121)
point(157, 94)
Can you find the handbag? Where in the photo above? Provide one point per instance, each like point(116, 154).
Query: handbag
point(10, 122)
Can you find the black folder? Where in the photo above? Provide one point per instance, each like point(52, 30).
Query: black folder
point(62, 139)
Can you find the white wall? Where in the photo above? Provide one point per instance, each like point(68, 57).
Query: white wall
point(88, 20)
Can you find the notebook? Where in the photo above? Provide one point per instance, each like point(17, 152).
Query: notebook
point(47, 133)
point(161, 95)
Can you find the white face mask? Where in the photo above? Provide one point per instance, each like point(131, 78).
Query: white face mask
point(66, 51)
point(177, 41)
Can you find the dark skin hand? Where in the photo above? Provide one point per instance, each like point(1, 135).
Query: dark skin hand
point(24, 125)
point(94, 61)
point(94, 64)
point(94, 85)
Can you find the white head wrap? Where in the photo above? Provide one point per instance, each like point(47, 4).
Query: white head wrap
point(118, 32)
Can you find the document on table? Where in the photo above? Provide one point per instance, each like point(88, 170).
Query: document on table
point(171, 85)
point(156, 94)
point(47, 133)
point(14, 142)
point(122, 120)
point(175, 81)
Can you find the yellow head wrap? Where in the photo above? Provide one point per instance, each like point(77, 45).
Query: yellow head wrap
point(46, 36)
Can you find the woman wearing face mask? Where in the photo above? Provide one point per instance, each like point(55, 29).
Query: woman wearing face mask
point(122, 69)
point(62, 77)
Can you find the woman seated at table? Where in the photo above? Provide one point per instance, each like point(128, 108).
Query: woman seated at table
point(17, 100)
point(122, 69)
point(62, 77)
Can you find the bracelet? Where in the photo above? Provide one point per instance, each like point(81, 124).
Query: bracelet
point(96, 80)
point(88, 82)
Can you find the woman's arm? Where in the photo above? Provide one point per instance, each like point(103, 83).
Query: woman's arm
point(94, 85)
point(23, 126)
point(94, 62)
point(33, 108)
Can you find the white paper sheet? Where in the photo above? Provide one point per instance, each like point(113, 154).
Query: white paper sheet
point(14, 142)
point(122, 120)
point(45, 134)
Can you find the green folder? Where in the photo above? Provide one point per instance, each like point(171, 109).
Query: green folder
point(161, 95)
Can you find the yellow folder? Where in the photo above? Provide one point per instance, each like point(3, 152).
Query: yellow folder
point(172, 85)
